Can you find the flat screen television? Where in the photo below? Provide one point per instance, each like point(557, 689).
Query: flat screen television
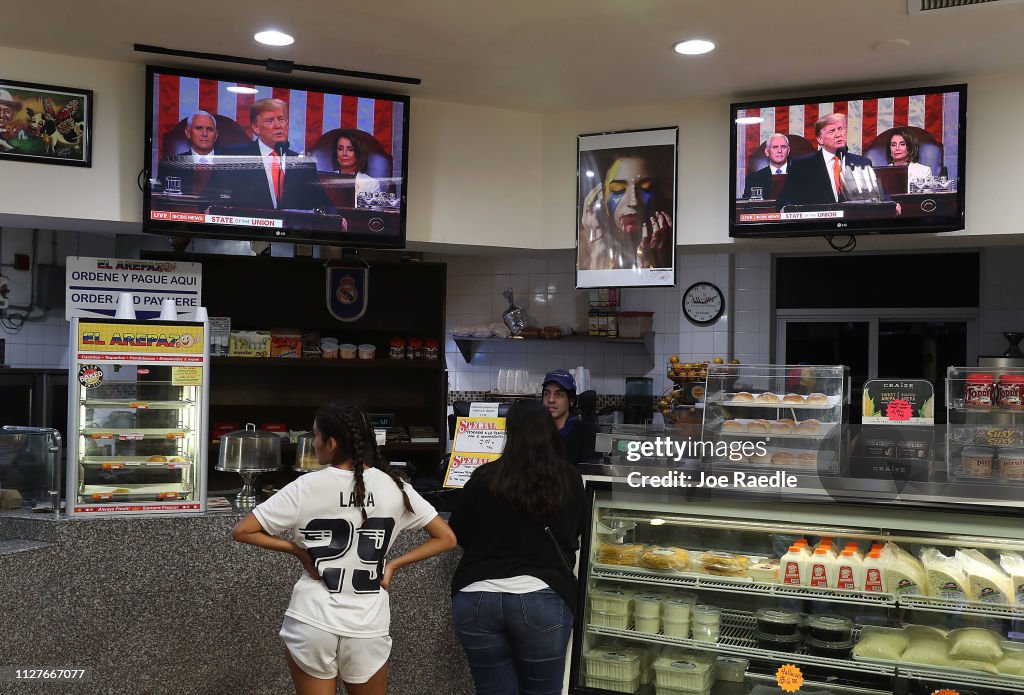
point(865, 162)
point(231, 157)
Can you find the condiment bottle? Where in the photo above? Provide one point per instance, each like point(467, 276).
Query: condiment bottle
point(793, 567)
point(874, 571)
point(849, 571)
point(822, 573)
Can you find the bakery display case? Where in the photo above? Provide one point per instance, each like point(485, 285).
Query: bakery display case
point(137, 422)
point(985, 433)
point(717, 596)
point(789, 417)
point(30, 469)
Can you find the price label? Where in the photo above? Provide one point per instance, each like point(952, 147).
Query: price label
point(175, 435)
point(168, 496)
point(945, 691)
point(112, 466)
point(131, 437)
point(102, 435)
point(789, 678)
point(899, 410)
point(138, 406)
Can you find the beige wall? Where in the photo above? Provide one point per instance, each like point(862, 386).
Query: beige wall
point(485, 177)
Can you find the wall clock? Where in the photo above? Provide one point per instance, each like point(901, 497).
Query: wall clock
point(703, 303)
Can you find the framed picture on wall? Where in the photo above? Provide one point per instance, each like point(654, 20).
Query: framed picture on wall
point(625, 208)
point(44, 123)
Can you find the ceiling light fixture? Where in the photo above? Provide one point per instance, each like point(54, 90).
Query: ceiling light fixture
point(747, 120)
point(694, 47)
point(242, 90)
point(273, 37)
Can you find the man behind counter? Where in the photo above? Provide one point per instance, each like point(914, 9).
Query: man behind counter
point(559, 395)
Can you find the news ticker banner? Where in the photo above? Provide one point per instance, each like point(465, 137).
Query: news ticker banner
point(202, 218)
point(783, 216)
point(478, 440)
point(92, 286)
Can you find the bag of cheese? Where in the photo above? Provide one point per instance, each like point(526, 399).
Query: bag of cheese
point(976, 643)
point(987, 583)
point(904, 575)
point(946, 577)
point(1012, 664)
point(1013, 565)
point(881, 644)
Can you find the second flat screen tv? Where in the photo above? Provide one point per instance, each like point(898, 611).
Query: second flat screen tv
point(865, 162)
point(231, 157)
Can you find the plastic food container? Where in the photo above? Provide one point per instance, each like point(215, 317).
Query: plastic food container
point(706, 615)
point(684, 671)
point(778, 621)
point(347, 351)
point(647, 606)
point(610, 601)
point(976, 462)
point(979, 391)
point(778, 643)
point(704, 633)
point(1011, 463)
point(1010, 392)
point(431, 349)
point(615, 664)
point(828, 628)
point(662, 690)
point(676, 628)
point(829, 649)
point(367, 351)
point(396, 349)
point(615, 620)
point(649, 625)
point(629, 685)
point(731, 669)
point(414, 349)
point(329, 348)
point(678, 607)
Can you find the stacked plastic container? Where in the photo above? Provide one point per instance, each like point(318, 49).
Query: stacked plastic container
point(684, 673)
point(615, 669)
point(611, 608)
point(676, 614)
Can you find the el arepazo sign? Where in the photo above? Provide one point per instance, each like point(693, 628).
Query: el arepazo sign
point(92, 286)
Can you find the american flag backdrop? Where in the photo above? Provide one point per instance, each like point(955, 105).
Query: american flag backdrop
point(936, 112)
point(310, 114)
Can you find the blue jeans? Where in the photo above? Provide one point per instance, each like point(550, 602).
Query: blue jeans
point(515, 643)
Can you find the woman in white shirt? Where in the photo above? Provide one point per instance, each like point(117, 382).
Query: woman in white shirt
point(903, 151)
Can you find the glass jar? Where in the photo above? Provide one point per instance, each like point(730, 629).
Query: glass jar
point(396, 349)
point(1010, 392)
point(431, 349)
point(979, 391)
point(414, 349)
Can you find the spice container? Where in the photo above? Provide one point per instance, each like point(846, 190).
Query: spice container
point(431, 349)
point(976, 462)
point(979, 391)
point(396, 349)
point(778, 621)
point(1011, 464)
point(414, 349)
point(1010, 392)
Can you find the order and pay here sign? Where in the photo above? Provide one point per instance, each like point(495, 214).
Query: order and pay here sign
point(478, 440)
point(92, 286)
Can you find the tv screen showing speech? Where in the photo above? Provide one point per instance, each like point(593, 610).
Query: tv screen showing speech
point(866, 162)
point(234, 157)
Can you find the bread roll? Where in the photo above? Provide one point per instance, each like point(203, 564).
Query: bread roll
point(743, 397)
point(807, 458)
point(781, 428)
point(817, 399)
point(811, 426)
point(757, 427)
point(793, 398)
point(732, 426)
point(157, 459)
point(767, 397)
point(783, 457)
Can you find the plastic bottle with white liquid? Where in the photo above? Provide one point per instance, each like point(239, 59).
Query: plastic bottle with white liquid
point(793, 567)
point(852, 545)
point(849, 571)
point(822, 570)
point(874, 572)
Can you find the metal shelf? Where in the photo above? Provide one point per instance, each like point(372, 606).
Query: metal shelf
point(129, 433)
point(468, 346)
point(135, 403)
point(988, 610)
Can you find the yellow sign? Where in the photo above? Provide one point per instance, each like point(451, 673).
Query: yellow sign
point(186, 376)
point(478, 440)
point(789, 678)
point(138, 338)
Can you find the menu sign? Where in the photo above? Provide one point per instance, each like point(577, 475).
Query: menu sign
point(478, 440)
point(898, 402)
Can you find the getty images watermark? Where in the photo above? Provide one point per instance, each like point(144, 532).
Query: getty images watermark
point(732, 452)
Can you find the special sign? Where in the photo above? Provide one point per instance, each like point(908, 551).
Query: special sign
point(478, 440)
point(93, 285)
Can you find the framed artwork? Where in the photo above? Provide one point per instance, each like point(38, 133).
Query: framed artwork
point(44, 123)
point(625, 208)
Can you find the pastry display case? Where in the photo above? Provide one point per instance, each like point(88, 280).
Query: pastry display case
point(788, 417)
point(138, 395)
point(30, 469)
point(985, 432)
point(720, 596)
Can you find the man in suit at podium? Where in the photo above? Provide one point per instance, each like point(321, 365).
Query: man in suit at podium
point(776, 149)
point(815, 179)
point(194, 166)
point(266, 173)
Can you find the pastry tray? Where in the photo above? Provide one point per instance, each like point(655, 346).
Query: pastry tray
point(727, 400)
point(118, 462)
point(151, 491)
point(825, 430)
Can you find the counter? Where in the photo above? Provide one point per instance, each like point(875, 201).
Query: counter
point(172, 605)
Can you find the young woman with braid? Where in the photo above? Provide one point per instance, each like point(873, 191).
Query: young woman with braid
point(514, 592)
point(343, 519)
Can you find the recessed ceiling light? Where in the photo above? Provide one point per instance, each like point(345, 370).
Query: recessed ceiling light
point(242, 90)
point(274, 38)
point(694, 47)
point(747, 120)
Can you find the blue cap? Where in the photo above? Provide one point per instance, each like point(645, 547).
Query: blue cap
point(562, 378)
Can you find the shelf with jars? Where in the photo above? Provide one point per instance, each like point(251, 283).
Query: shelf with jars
point(985, 433)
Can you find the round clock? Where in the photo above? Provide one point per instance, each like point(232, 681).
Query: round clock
point(703, 303)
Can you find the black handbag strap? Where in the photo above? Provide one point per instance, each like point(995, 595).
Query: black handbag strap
point(558, 551)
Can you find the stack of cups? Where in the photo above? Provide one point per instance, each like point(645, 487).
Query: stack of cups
point(168, 310)
point(125, 306)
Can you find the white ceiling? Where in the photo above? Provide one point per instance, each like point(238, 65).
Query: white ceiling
point(553, 55)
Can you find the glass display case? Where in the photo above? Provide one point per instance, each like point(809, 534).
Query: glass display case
point(985, 433)
point(721, 596)
point(138, 417)
point(30, 469)
point(791, 417)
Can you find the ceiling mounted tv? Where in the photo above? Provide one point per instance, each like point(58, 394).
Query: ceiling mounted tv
point(232, 158)
point(865, 162)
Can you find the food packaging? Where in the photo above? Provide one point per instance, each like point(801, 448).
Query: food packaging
point(285, 343)
point(987, 582)
point(976, 463)
point(946, 577)
point(684, 670)
point(367, 351)
point(665, 558)
point(679, 606)
point(329, 348)
point(829, 628)
point(347, 351)
point(705, 632)
point(706, 615)
point(628, 685)
point(613, 620)
point(311, 345)
point(778, 643)
point(829, 649)
point(731, 669)
point(778, 621)
point(649, 625)
point(1011, 464)
point(615, 664)
point(647, 606)
point(250, 344)
point(610, 601)
point(676, 628)
point(619, 553)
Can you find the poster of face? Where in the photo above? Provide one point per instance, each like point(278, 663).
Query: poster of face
point(626, 204)
point(43, 123)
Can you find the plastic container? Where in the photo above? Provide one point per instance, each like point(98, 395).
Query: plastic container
point(706, 615)
point(778, 621)
point(822, 569)
point(635, 324)
point(731, 669)
point(396, 349)
point(849, 571)
point(616, 664)
point(647, 606)
point(793, 567)
point(832, 650)
point(874, 571)
point(704, 632)
point(629, 685)
point(414, 349)
point(329, 348)
point(610, 601)
point(979, 391)
point(648, 625)
point(1011, 464)
point(829, 628)
point(678, 607)
point(976, 463)
point(431, 349)
point(665, 690)
point(614, 620)
point(778, 643)
point(676, 628)
point(347, 351)
point(367, 351)
point(1010, 392)
point(684, 671)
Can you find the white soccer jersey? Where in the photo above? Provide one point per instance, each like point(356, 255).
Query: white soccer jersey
point(319, 509)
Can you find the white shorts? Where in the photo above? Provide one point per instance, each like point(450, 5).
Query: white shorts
point(325, 655)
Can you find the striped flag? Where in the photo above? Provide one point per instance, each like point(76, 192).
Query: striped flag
point(937, 113)
point(310, 114)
